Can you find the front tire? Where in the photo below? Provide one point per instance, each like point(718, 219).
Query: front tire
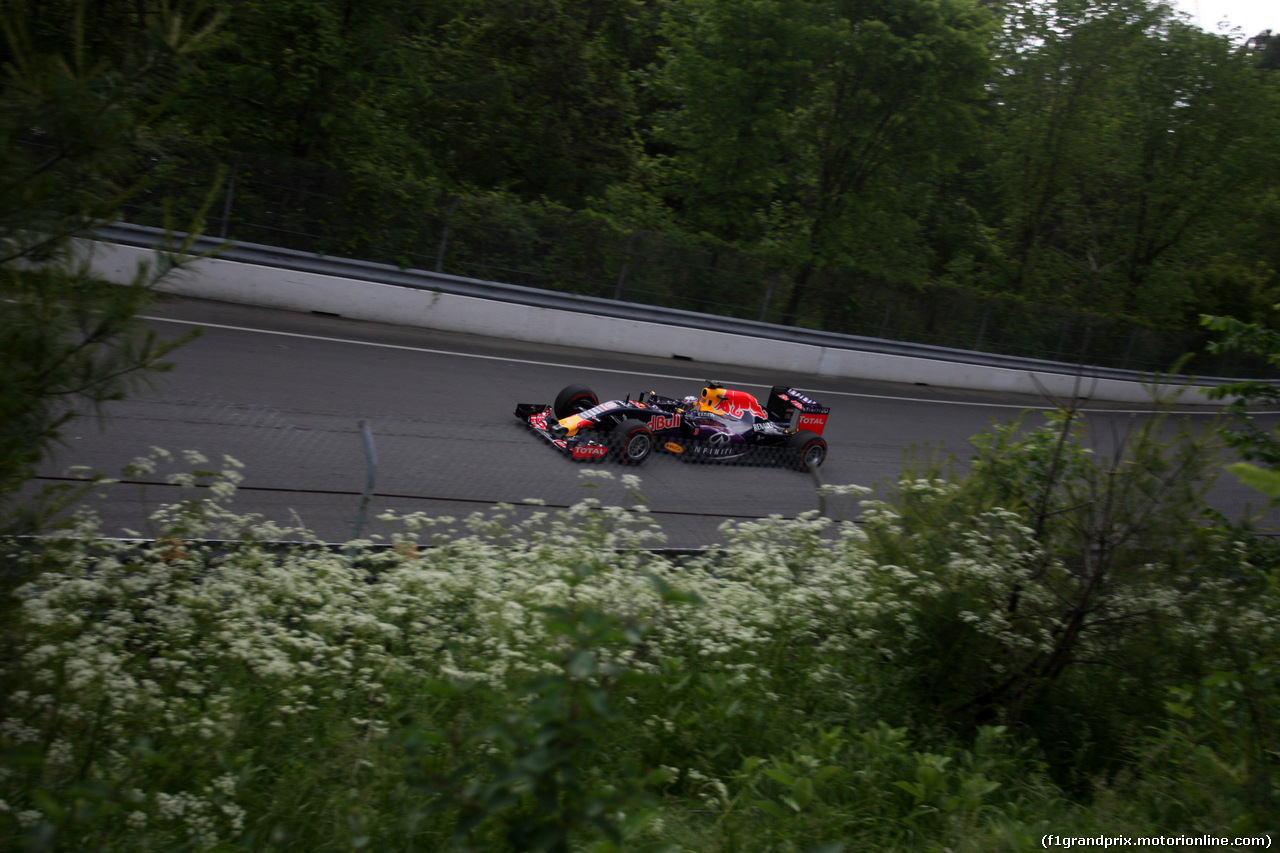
point(634, 442)
point(573, 399)
point(808, 450)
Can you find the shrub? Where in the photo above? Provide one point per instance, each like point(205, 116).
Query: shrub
point(551, 684)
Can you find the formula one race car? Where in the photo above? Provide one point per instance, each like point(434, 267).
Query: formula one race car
point(722, 424)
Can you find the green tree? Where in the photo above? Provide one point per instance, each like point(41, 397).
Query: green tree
point(1093, 554)
point(811, 126)
point(1254, 441)
point(289, 78)
point(1267, 48)
point(535, 97)
point(76, 129)
point(1124, 137)
point(731, 78)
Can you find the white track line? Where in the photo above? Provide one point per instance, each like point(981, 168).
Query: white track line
point(814, 391)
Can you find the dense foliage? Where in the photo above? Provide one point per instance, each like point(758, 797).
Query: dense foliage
point(1102, 154)
point(77, 124)
point(1034, 648)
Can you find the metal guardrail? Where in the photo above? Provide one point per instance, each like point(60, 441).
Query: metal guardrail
point(290, 259)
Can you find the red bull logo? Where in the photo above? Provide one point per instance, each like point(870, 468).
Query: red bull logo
point(736, 404)
point(664, 421)
point(737, 410)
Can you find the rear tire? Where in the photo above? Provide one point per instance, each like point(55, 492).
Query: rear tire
point(634, 442)
point(574, 399)
point(808, 450)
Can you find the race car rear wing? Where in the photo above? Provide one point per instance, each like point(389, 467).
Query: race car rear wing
point(789, 406)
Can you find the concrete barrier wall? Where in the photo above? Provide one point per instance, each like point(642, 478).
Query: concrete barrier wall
point(232, 281)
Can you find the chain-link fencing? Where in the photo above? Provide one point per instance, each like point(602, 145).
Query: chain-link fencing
point(296, 205)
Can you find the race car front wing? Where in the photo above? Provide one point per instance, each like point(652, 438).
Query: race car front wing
point(541, 419)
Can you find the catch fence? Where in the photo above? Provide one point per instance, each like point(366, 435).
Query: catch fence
point(296, 205)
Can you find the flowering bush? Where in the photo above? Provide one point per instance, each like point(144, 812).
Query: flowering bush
point(474, 681)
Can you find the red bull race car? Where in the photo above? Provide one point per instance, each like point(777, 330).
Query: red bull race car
point(721, 424)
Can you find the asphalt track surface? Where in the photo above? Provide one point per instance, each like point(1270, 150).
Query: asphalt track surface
point(284, 393)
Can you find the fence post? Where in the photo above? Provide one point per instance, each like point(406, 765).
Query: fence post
point(626, 262)
point(888, 314)
point(230, 195)
point(769, 282)
point(1084, 341)
point(982, 326)
point(371, 474)
point(1062, 339)
point(1128, 348)
point(444, 233)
